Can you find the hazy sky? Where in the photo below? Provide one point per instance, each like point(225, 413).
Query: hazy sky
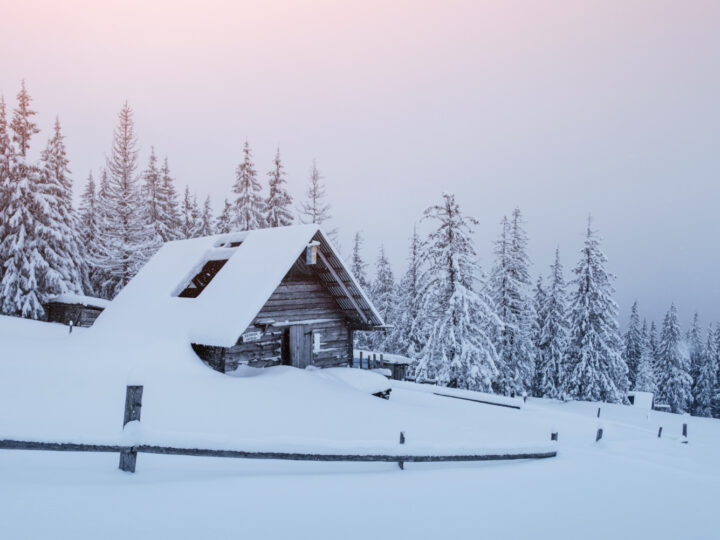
point(561, 108)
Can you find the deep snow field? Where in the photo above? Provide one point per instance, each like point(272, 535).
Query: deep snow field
point(71, 388)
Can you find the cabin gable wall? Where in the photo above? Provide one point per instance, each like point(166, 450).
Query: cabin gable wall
point(300, 299)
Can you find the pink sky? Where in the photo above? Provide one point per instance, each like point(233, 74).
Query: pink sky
point(560, 107)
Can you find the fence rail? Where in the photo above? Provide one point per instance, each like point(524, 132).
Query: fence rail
point(128, 454)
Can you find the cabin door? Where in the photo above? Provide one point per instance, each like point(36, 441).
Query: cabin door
point(300, 346)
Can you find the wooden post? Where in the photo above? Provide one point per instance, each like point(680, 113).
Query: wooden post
point(598, 415)
point(70, 324)
point(554, 436)
point(659, 432)
point(133, 407)
point(684, 430)
point(374, 361)
point(401, 464)
point(360, 366)
point(599, 434)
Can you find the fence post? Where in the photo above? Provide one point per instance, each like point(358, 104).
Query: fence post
point(659, 432)
point(374, 362)
point(598, 415)
point(554, 436)
point(133, 406)
point(684, 441)
point(360, 366)
point(599, 434)
point(401, 464)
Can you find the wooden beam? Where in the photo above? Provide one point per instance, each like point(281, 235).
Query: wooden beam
point(343, 287)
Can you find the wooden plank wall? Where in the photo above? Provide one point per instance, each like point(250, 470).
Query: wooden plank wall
point(300, 297)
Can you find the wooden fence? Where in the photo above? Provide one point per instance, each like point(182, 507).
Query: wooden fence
point(128, 454)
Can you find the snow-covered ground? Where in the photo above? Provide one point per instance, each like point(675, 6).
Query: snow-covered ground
point(60, 387)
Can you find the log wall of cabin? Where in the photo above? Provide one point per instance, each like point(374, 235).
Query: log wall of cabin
point(79, 315)
point(300, 298)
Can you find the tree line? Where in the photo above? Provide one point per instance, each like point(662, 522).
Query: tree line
point(48, 248)
point(553, 338)
point(462, 327)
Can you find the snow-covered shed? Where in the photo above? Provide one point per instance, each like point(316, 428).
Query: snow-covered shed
point(74, 309)
point(260, 298)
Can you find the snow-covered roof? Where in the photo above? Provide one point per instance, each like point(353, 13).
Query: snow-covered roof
point(79, 299)
point(257, 261)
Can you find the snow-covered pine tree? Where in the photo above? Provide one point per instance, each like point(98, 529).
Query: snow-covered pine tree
point(5, 163)
point(705, 387)
point(169, 222)
point(358, 267)
point(224, 220)
point(411, 328)
point(633, 344)
point(596, 370)
point(249, 204)
point(22, 126)
point(712, 349)
point(314, 209)
point(190, 215)
point(278, 211)
point(511, 293)
point(674, 381)
point(645, 380)
point(207, 222)
point(89, 230)
point(695, 346)
point(553, 340)
point(127, 240)
point(459, 352)
point(539, 296)
point(19, 253)
point(151, 189)
point(59, 240)
point(384, 296)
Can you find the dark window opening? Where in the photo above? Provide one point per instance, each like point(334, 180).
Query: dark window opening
point(202, 279)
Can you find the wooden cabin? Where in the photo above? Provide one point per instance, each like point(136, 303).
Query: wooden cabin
point(74, 309)
point(257, 298)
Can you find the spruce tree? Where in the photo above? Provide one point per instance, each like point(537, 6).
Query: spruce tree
point(674, 381)
point(278, 203)
point(645, 380)
point(249, 204)
point(20, 253)
point(127, 240)
point(510, 285)
point(151, 194)
point(705, 387)
point(314, 209)
point(596, 370)
point(553, 340)
point(384, 297)
point(695, 346)
point(207, 222)
point(190, 215)
point(358, 266)
point(633, 344)
point(6, 159)
point(89, 230)
point(169, 222)
point(459, 351)
point(224, 221)
point(539, 296)
point(411, 329)
point(59, 240)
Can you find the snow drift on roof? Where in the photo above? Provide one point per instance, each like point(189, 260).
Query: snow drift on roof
point(229, 302)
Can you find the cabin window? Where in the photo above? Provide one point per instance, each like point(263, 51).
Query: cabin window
point(202, 279)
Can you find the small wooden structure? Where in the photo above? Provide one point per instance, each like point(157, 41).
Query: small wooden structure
point(256, 298)
point(74, 309)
